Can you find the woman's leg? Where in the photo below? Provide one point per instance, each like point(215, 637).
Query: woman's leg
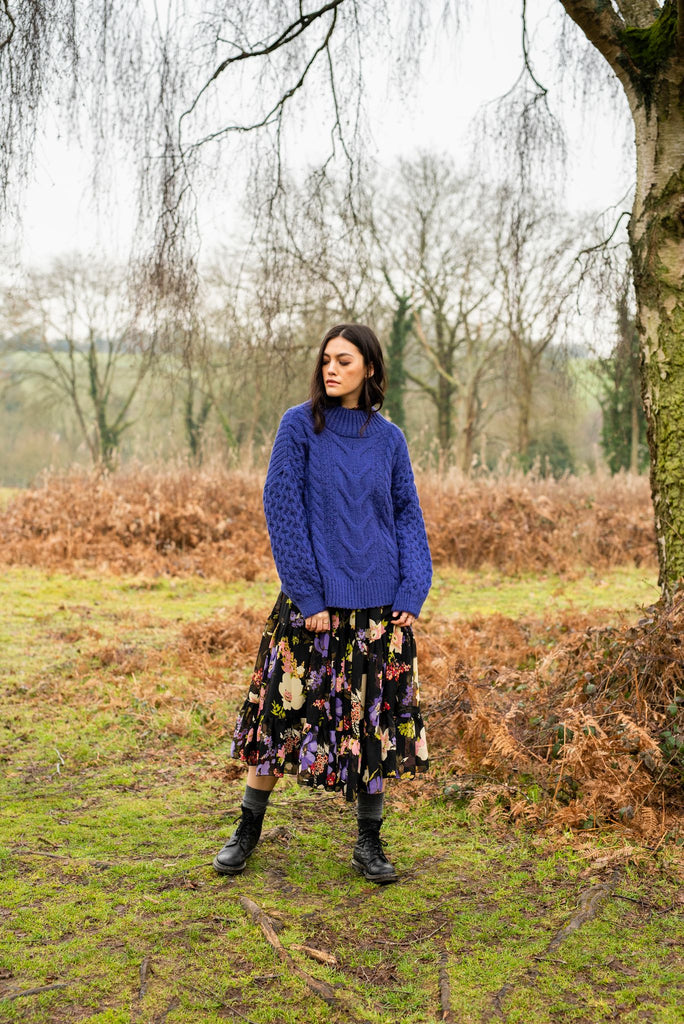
point(232, 858)
point(266, 782)
point(369, 857)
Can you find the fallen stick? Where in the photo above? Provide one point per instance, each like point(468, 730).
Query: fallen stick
point(321, 955)
point(144, 968)
point(445, 990)
point(36, 991)
point(174, 1004)
point(320, 988)
point(64, 856)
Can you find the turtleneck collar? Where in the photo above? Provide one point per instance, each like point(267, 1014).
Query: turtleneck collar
point(348, 422)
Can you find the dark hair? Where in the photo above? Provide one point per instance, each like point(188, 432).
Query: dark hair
point(373, 392)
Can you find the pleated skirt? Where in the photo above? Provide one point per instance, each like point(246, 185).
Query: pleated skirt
point(341, 709)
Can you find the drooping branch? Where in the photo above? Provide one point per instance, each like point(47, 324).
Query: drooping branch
point(295, 29)
point(12, 25)
point(275, 113)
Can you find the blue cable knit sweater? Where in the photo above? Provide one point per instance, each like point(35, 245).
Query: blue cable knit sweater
point(343, 515)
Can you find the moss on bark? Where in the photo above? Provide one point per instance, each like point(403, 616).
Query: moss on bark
point(659, 280)
point(648, 50)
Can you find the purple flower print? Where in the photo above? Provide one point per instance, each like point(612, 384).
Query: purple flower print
point(307, 753)
point(296, 619)
point(374, 712)
point(315, 680)
point(321, 643)
point(407, 699)
point(375, 784)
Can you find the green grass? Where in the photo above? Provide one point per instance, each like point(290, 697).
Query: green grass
point(111, 819)
point(455, 592)
point(6, 495)
point(465, 594)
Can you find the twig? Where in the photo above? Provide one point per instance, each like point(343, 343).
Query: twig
point(320, 988)
point(321, 955)
point(444, 990)
point(632, 899)
point(429, 935)
point(144, 969)
point(175, 1002)
point(64, 856)
point(660, 842)
point(36, 991)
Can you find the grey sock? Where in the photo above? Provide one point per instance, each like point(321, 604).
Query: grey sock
point(256, 800)
point(369, 805)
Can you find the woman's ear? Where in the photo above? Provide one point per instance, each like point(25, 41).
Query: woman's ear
point(370, 371)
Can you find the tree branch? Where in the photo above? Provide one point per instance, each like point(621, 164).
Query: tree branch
point(422, 384)
point(287, 36)
point(526, 52)
point(602, 27)
point(8, 14)
point(639, 13)
point(429, 351)
point(276, 111)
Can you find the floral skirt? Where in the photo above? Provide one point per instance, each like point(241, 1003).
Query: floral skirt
point(339, 709)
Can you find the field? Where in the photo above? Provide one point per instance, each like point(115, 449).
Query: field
point(519, 900)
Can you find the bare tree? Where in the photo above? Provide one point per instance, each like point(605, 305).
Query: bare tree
point(537, 277)
point(434, 248)
point(73, 330)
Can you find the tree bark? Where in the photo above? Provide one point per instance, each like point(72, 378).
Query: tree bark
point(634, 438)
point(647, 55)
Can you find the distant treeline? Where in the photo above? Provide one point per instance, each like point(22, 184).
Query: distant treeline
point(475, 295)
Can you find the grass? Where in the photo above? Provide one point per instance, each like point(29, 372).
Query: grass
point(457, 592)
point(116, 796)
point(6, 495)
point(462, 593)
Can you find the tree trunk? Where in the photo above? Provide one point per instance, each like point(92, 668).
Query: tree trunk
point(657, 243)
point(634, 437)
point(524, 402)
point(396, 354)
point(644, 45)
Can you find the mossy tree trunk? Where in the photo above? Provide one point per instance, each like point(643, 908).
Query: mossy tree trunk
point(396, 357)
point(644, 44)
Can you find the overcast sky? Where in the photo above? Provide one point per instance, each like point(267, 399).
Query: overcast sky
point(436, 111)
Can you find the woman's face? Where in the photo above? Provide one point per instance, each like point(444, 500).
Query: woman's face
point(344, 371)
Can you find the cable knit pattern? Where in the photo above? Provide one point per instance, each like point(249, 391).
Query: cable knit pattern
point(343, 514)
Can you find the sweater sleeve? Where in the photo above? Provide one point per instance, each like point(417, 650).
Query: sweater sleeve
point(287, 521)
point(415, 563)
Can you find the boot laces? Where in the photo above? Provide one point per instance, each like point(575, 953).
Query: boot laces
point(249, 827)
point(370, 837)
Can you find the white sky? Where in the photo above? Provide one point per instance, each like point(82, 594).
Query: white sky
point(436, 112)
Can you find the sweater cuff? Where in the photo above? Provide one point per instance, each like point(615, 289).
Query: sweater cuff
point(407, 601)
point(311, 605)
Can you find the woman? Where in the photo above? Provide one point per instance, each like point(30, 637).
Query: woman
point(334, 695)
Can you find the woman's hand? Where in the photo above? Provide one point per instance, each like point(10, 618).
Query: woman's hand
point(318, 623)
point(403, 619)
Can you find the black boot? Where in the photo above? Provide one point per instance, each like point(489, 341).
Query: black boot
point(369, 858)
point(232, 858)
